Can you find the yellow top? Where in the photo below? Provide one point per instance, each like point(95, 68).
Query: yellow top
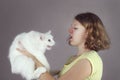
point(96, 62)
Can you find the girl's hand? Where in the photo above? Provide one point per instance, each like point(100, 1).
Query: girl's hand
point(28, 54)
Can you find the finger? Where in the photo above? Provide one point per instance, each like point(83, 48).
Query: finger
point(20, 50)
point(21, 45)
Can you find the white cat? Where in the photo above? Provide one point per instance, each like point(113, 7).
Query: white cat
point(36, 43)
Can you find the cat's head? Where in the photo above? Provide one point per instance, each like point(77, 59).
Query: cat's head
point(47, 39)
point(41, 40)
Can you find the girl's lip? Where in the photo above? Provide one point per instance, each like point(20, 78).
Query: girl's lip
point(70, 38)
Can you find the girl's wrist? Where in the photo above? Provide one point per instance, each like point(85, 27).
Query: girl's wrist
point(37, 63)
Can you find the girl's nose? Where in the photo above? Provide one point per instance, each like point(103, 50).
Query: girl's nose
point(70, 30)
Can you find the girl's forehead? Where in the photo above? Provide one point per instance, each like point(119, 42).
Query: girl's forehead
point(75, 21)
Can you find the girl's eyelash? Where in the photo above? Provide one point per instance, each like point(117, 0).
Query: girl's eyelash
point(75, 28)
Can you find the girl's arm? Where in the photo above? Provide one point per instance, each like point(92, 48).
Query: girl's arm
point(80, 71)
point(26, 53)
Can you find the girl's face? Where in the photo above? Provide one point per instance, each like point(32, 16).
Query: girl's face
point(77, 34)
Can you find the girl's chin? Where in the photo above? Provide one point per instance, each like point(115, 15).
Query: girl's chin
point(70, 43)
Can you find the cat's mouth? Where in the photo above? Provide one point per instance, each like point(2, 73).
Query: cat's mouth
point(49, 47)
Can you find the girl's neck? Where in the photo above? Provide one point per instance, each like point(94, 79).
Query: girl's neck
point(82, 51)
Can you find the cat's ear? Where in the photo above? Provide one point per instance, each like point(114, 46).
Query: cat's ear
point(42, 36)
point(49, 32)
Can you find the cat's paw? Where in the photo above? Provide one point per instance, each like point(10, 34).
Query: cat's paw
point(38, 72)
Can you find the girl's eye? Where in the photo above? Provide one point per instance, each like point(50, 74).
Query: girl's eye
point(75, 28)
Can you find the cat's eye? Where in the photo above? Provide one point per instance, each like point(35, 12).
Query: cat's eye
point(49, 40)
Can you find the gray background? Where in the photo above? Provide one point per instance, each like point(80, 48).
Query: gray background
point(18, 16)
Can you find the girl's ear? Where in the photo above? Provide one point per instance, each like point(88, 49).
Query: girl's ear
point(49, 32)
point(42, 37)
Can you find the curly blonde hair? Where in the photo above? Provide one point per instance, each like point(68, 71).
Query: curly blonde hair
point(97, 38)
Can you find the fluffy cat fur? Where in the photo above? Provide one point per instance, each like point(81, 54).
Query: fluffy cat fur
point(36, 43)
